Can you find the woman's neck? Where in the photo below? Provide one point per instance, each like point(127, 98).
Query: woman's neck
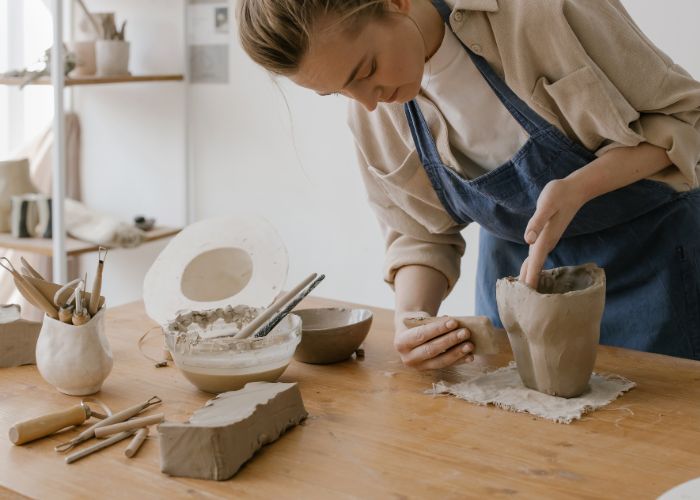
point(430, 24)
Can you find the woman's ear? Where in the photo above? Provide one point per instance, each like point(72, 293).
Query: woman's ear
point(402, 6)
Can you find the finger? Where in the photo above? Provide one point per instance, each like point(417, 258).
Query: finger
point(536, 260)
point(436, 347)
point(537, 223)
point(523, 270)
point(454, 355)
point(414, 337)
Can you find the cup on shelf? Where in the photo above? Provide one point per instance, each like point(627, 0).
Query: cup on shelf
point(85, 64)
point(112, 57)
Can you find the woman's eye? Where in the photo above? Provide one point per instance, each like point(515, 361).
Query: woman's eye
point(372, 69)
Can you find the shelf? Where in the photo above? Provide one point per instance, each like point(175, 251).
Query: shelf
point(43, 246)
point(95, 80)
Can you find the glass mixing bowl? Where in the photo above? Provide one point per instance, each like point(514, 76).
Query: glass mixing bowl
point(222, 363)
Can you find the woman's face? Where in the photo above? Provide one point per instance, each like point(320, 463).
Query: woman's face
point(382, 61)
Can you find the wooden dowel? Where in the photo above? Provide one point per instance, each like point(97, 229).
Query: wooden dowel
point(99, 446)
point(135, 423)
point(136, 443)
point(250, 328)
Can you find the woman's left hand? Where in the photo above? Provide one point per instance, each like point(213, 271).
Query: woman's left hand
point(557, 205)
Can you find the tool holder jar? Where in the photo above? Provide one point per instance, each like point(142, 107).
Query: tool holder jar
point(76, 360)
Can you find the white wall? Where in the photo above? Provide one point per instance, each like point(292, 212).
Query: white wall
point(246, 153)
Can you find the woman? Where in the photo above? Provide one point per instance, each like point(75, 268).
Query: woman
point(555, 125)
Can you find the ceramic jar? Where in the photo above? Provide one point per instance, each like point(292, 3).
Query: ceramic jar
point(112, 57)
point(74, 359)
point(554, 330)
point(14, 180)
point(85, 64)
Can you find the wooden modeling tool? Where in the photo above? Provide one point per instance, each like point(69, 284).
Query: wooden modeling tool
point(133, 424)
point(99, 446)
point(250, 328)
point(49, 289)
point(28, 290)
point(39, 427)
point(281, 315)
point(487, 339)
point(121, 416)
point(29, 269)
point(136, 443)
point(97, 282)
point(80, 313)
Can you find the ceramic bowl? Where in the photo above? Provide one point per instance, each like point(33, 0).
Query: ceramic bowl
point(331, 335)
point(223, 364)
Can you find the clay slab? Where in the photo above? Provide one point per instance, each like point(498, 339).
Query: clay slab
point(17, 338)
point(226, 432)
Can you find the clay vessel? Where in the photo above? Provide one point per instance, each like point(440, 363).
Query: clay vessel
point(14, 180)
point(331, 335)
point(74, 359)
point(112, 57)
point(554, 330)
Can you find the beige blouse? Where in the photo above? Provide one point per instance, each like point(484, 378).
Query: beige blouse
point(583, 65)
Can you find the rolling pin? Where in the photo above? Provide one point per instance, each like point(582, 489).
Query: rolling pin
point(487, 339)
point(40, 427)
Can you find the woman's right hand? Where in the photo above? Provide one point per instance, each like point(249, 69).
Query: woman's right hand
point(432, 346)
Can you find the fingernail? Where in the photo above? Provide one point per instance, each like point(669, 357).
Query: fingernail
point(469, 359)
point(462, 334)
point(467, 348)
point(531, 236)
point(451, 324)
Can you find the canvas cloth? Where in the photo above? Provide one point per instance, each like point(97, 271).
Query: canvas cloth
point(503, 388)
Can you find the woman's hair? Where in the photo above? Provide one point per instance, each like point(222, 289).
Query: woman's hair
point(275, 33)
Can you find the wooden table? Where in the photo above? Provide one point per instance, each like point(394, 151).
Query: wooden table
point(372, 432)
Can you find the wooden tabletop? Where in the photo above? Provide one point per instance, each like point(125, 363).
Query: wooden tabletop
point(372, 432)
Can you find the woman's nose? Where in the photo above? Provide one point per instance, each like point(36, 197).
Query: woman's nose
point(367, 96)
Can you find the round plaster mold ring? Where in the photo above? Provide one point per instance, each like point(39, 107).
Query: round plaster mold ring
point(216, 263)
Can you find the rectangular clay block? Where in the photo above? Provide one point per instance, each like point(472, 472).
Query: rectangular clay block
point(226, 432)
point(17, 338)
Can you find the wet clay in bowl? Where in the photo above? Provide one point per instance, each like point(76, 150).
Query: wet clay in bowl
point(331, 335)
point(554, 330)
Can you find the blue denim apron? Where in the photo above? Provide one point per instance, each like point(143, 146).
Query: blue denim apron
point(646, 235)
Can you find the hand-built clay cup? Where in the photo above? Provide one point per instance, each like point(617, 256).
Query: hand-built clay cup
point(74, 359)
point(554, 330)
point(331, 335)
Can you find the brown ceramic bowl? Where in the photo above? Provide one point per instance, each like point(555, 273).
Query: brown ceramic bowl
point(331, 335)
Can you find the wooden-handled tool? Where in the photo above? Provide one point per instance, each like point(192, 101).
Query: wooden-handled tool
point(39, 427)
point(487, 339)
point(134, 423)
point(28, 290)
point(136, 443)
point(97, 282)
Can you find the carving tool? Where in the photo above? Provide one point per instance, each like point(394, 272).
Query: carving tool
point(280, 316)
point(97, 282)
point(45, 425)
point(248, 330)
point(29, 269)
point(133, 424)
point(121, 416)
point(487, 339)
point(136, 443)
point(99, 446)
point(48, 289)
point(80, 314)
point(28, 290)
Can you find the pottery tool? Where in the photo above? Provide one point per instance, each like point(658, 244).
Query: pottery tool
point(64, 294)
point(136, 443)
point(281, 315)
point(248, 330)
point(487, 339)
point(121, 416)
point(99, 446)
point(133, 424)
point(28, 290)
point(97, 282)
point(49, 289)
point(29, 269)
point(80, 314)
point(45, 425)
